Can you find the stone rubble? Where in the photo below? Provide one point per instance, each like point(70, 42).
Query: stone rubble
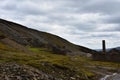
point(13, 71)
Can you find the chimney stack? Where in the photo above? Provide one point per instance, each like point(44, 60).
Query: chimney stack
point(104, 46)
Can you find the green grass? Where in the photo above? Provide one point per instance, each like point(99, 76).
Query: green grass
point(67, 66)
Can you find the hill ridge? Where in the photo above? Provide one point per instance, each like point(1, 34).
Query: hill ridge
point(34, 38)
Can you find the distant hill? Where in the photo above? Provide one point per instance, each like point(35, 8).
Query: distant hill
point(100, 50)
point(114, 50)
point(111, 50)
point(118, 48)
point(25, 36)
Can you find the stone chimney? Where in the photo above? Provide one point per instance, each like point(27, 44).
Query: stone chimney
point(103, 47)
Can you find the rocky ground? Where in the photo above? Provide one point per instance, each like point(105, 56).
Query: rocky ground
point(13, 71)
point(114, 76)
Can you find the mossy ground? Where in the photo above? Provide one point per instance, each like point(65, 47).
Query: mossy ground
point(60, 66)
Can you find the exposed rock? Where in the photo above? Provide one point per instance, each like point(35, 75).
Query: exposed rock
point(114, 76)
point(13, 71)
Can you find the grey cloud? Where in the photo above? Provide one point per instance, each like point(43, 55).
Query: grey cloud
point(117, 28)
point(103, 35)
point(22, 7)
point(113, 19)
point(28, 12)
point(9, 7)
point(96, 35)
point(103, 6)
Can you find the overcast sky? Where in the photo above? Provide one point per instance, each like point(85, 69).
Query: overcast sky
point(83, 22)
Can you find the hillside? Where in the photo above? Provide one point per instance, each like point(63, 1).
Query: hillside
point(33, 38)
point(114, 50)
point(44, 65)
point(27, 54)
point(118, 48)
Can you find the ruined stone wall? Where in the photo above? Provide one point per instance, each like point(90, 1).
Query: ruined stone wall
point(106, 57)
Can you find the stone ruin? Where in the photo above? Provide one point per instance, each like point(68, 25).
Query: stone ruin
point(106, 56)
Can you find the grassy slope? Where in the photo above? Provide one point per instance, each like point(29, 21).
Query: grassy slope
point(34, 38)
point(60, 66)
